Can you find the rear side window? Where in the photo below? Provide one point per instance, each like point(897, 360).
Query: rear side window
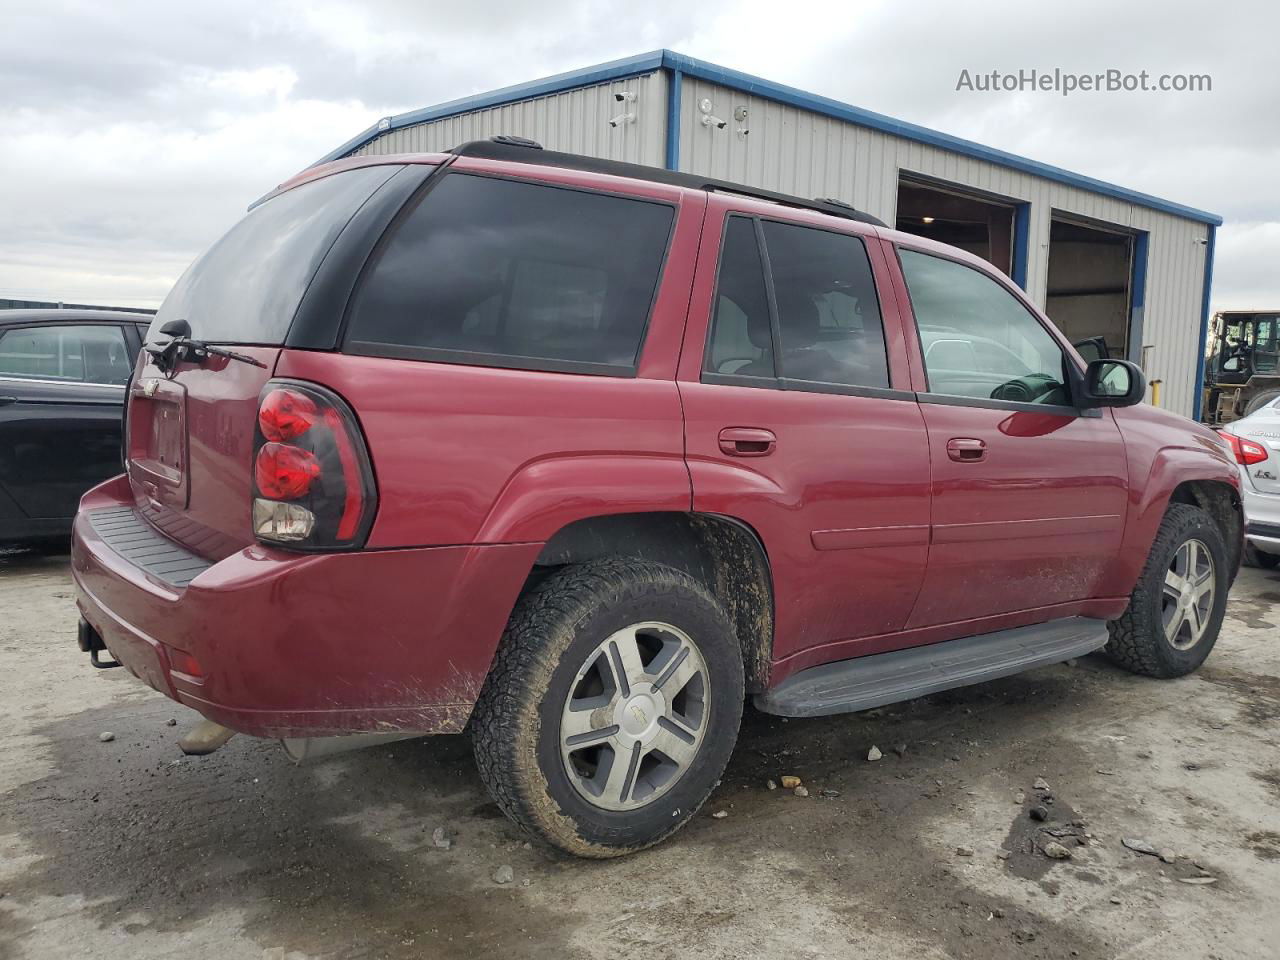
point(247, 286)
point(63, 352)
point(828, 315)
point(825, 326)
point(509, 273)
point(741, 340)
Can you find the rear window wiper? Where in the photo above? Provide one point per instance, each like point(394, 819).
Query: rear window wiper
point(181, 347)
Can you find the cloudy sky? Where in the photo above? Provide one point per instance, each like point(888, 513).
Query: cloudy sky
point(134, 133)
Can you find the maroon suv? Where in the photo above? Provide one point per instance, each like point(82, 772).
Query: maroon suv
point(582, 454)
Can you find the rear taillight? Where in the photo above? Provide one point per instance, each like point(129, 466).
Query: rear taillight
point(1245, 451)
point(285, 414)
point(312, 479)
point(283, 471)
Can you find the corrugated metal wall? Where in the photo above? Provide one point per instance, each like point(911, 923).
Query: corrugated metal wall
point(576, 121)
point(803, 153)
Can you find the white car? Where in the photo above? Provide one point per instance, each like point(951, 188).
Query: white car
point(1255, 441)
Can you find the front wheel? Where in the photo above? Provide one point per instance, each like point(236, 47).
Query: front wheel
point(612, 706)
point(1176, 609)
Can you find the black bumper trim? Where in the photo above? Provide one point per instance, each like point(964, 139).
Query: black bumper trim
point(141, 544)
point(1255, 529)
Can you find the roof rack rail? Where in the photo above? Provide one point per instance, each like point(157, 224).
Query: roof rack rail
point(521, 150)
point(514, 141)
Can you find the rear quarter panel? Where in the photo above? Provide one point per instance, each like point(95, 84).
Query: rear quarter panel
point(477, 454)
point(484, 455)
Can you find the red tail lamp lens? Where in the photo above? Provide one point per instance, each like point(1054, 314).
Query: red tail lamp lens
point(353, 502)
point(284, 472)
point(1245, 451)
point(1252, 452)
point(286, 414)
point(314, 485)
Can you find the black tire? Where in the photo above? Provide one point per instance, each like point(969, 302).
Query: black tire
point(551, 634)
point(1137, 640)
point(1253, 557)
point(1259, 401)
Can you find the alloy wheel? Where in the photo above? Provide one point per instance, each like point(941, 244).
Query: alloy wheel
point(1187, 600)
point(635, 716)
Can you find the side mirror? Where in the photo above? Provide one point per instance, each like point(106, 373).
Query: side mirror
point(1112, 383)
point(176, 329)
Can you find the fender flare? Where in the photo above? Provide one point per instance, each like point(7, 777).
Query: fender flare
point(547, 495)
point(1170, 468)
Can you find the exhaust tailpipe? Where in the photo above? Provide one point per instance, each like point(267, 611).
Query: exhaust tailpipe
point(204, 738)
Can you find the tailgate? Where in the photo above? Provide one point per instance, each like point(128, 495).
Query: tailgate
point(190, 449)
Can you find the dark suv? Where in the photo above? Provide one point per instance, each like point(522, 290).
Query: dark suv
point(581, 454)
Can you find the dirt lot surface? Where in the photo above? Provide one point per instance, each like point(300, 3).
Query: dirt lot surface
point(127, 849)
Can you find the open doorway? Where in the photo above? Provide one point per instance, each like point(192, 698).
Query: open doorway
point(982, 225)
point(1091, 291)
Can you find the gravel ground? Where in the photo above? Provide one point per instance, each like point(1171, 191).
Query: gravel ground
point(126, 849)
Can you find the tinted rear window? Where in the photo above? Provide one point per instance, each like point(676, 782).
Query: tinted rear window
point(247, 286)
point(510, 273)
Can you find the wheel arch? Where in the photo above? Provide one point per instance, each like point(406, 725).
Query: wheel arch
point(1198, 474)
point(724, 553)
point(1221, 501)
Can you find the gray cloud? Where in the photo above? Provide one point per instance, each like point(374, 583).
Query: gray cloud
point(137, 132)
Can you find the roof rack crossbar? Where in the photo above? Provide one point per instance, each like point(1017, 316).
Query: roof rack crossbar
point(520, 150)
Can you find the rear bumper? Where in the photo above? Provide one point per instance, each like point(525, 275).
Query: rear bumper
point(279, 644)
point(1262, 517)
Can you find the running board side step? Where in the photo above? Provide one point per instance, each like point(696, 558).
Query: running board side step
point(848, 686)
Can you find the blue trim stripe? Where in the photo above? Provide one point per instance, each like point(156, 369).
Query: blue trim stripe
point(1138, 294)
point(1021, 244)
point(675, 92)
point(780, 93)
point(1204, 320)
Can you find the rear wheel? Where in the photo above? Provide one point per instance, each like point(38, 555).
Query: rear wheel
point(1176, 609)
point(612, 706)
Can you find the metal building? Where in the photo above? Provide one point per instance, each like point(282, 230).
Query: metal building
point(1103, 261)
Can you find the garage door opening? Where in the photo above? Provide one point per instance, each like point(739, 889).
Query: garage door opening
point(981, 225)
point(1091, 289)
